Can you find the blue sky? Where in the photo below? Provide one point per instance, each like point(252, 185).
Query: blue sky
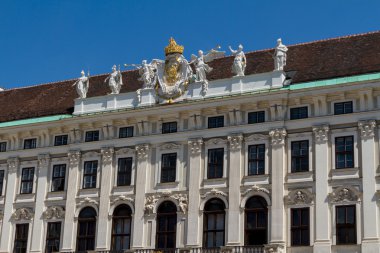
point(51, 40)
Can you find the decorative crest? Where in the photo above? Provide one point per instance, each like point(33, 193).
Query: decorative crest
point(54, 212)
point(278, 136)
point(23, 214)
point(299, 197)
point(344, 194)
point(173, 47)
point(321, 133)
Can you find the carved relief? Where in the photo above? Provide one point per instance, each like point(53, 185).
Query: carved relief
point(367, 128)
point(87, 201)
point(256, 137)
point(142, 151)
point(107, 154)
point(216, 141)
point(170, 146)
point(235, 141)
point(344, 194)
point(321, 133)
point(255, 188)
point(278, 136)
point(23, 214)
point(214, 192)
point(195, 146)
point(125, 151)
point(43, 160)
point(180, 198)
point(274, 248)
point(122, 198)
point(54, 212)
point(299, 197)
point(74, 157)
point(13, 163)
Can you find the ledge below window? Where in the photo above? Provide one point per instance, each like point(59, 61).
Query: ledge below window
point(128, 189)
point(256, 179)
point(26, 197)
point(345, 173)
point(305, 176)
point(89, 192)
point(214, 182)
point(58, 195)
point(167, 185)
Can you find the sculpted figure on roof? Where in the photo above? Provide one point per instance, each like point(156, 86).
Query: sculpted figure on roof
point(83, 84)
point(114, 80)
point(201, 68)
point(240, 62)
point(280, 55)
point(147, 73)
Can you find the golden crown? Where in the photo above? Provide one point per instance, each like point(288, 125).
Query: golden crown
point(173, 47)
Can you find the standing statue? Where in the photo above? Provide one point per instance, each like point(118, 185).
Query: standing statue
point(147, 73)
point(280, 55)
point(201, 68)
point(240, 62)
point(115, 80)
point(83, 84)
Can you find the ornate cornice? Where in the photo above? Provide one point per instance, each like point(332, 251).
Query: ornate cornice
point(299, 197)
point(278, 136)
point(195, 146)
point(321, 133)
point(142, 151)
point(107, 154)
point(54, 212)
point(367, 128)
point(23, 214)
point(254, 188)
point(74, 157)
point(13, 163)
point(344, 194)
point(235, 141)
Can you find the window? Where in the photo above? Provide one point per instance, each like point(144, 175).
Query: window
point(345, 225)
point(343, 108)
point(166, 226)
point(53, 236)
point(27, 180)
point(344, 152)
point(92, 136)
point(58, 179)
point(121, 228)
point(215, 163)
point(169, 127)
point(168, 167)
point(60, 140)
point(213, 224)
point(3, 146)
point(256, 117)
point(298, 113)
point(124, 171)
point(214, 122)
point(30, 143)
point(86, 229)
point(90, 173)
point(21, 238)
point(1, 182)
point(300, 227)
point(300, 156)
point(256, 159)
point(126, 132)
point(256, 221)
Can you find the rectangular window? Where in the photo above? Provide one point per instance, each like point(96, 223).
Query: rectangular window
point(256, 117)
point(60, 140)
point(344, 152)
point(21, 238)
point(215, 163)
point(58, 178)
point(256, 159)
point(169, 127)
point(27, 180)
point(90, 173)
point(345, 225)
point(53, 237)
point(1, 182)
point(126, 132)
point(3, 146)
point(300, 229)
point(168, 167)
point(124, 171)
point(343, 108)
point(92, 136)
point(299, 113)
point(30, 143)
point(300, 156)
point(215, 122)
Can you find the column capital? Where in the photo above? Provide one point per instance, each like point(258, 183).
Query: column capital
point(321, 133)
point(195, 145)
point(74, 157)
point(367, 128)
point(278, 136)
point(142, 150)
point(43, 160)
point(107, 154)
point(235, 141)
point(13, 163)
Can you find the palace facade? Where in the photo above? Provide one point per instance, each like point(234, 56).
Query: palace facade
point(277, 154)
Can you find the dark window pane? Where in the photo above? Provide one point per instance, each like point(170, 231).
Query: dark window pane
point(58, 180)
point(256, 224)
point(214, 224)
point(53, 237)
point(299, 156)
point(344, 152)
point(300, 231)
point(90, 174)
point(256, 117)
point(299, 113)
point(126, 132)
point(30, 143)
point(3, 146)
point(1, 182)
point(124, 172)
point(168, 167)
point(166, 230)
point(169, 127)
point(343, 108)
point(346, 224)
point(92, 136)
point(86, 229)
point(21, 238)
point(60, 140)
point(256, 159)
point(121, 231)
point(214, 122)
point(215, 163)
point(27, 180)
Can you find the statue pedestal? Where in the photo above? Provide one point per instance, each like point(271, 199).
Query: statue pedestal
point(147, 97)
point(278, 78)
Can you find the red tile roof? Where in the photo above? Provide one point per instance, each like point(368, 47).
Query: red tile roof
point(337, 57)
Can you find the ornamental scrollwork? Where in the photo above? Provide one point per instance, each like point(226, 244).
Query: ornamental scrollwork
point(43, 160)
point(367, 128)
point(214, 192)
point(87, 201)
point(235, 141)
point(299, 197)
point(255, 188)
point(23, 214)
point(321, 133)
point(278, 136)
point(180, 198)
point(195, 146)
point(121, 198)
point(256, 137)
point(54, 212)
point(344, 194)
point(13, 163)
point(107, 154)
point(74, 157)
point(142, 151)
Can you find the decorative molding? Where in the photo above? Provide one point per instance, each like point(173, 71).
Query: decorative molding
point(107, 154)
point(87, 201)
point(125, 151)
point(170, 146)
point(274, 248)
point(13, 163)
point(299, 197)
point(121, 198)
point(278, 136)
point(195, 146)
point(142, 151)
point(321, 133)
point(151, 201)
point(43, 160)
point(54, 212)
point(74, 157)
point(91, 154)
point(235, 141)
point(216, 141)
point(255, 188)
point(214, 192)
point(367, 128)
point(345, 194)
point(23, 214)
point(256, 137)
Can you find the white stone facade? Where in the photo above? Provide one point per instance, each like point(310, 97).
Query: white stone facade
point(321, 188)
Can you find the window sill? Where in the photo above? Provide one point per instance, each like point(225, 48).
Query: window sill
point(256, 179)
point(214, 182)
point(299, 176)
point(25, 197)
point(58, 195)
point(168, 185)
point(88, 192)
point(123, 189)
point(345, 173)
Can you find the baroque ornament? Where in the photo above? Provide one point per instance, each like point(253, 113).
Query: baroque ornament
point(115, 80)
point(214, 192)
point(344, 194)
point(299, 197)
point(321, 133)
point(13, 163)
point(107, 154)
point(74, 157)
point(235, 141)
point(367, 128)
point(54, 212)
point(121, 198)
point(255, 188)
point(179, 198)
point(142, 151)
point(280, 55)
point(195, 146)
point(278, 136)
point(240, 62)
point(23, 214)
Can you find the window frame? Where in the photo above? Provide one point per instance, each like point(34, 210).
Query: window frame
point(221, 151)
point(168, 168)
point(47, 238)
point(167, 148)
point(347, 172)
point(60, 136)
point(86, 237)
point(345, 153)
point(3, 146)
point(307, 136)
point(170, 130)
point(299, 107)
point(30, 139)
point(256, 160)
point(300, 228)
point(256, 139)
point(125, 173)
point(215, 116)
point(2, 182)
point(343, 104)
point(166, 232)
point(90, 174)
point(92, 131)
point(126, 127)
point(299, 157)
point(25, 240)
point(28, 181)
point(332, 109)
point(257, 111)
point(113, 235)
point(205, 230)
point(125, 153)
point(215, 143)
point(354, 226)
point(247, 210)
point(59, 177)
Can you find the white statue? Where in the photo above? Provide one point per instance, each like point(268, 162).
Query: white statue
point(83, 84)
point(114, 80)
point(240, 62)
point(201, 68)
point(147, 73)
point(280, 56)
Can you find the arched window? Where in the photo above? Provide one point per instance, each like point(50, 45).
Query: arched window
point(256, 221)
point(213, 223)
point(121, 227)
point(86, 229)
point(166, 226)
